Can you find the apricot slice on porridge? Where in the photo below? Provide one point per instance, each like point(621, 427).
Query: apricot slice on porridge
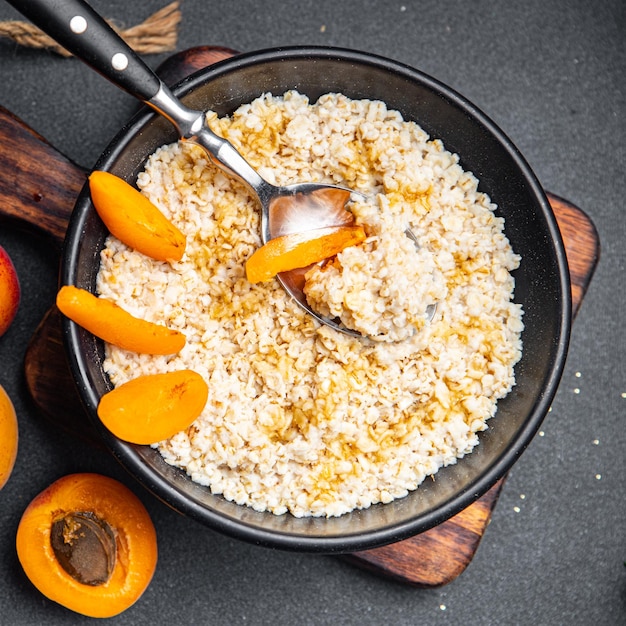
point(297, 250)
point(8, 436)
point(133, 219)
point(154, 407)
point(88, 543)
point(113, 324)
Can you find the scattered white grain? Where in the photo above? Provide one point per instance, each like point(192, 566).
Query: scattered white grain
point(598, 476)
point(516, 509)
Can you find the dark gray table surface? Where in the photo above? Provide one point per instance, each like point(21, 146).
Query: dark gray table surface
point(552, 74)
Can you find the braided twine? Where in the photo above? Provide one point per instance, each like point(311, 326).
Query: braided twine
point(158, 33)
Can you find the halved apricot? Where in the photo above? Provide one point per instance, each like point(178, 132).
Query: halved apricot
point(154, 407)
point(110, 322)
point(133, 219)
point(8, 437)
point(88, 543)
point(297, 250)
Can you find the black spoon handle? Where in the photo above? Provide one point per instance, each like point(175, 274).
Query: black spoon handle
point(84, 33)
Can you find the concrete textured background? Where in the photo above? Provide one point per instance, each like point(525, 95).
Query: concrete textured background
point(551, 74)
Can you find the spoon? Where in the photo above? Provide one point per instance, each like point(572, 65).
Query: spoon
point(284, 210)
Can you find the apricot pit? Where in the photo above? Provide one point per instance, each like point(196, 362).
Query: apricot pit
point(84, 546)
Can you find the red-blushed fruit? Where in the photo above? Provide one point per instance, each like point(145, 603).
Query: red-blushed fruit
point(9, 291)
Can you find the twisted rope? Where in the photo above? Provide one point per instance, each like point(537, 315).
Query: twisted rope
point(158, 33)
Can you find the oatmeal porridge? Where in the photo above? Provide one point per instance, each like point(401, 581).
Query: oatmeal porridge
point(301, 418)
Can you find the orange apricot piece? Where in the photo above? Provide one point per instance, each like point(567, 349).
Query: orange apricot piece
point(297, 250)
point(133, 219)
point(8, 437)
point(154, 407)
point(88, 543)
point(113, 324)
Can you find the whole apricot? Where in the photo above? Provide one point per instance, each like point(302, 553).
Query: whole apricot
point(88, 543)
point(9, 291)
point(8, 436)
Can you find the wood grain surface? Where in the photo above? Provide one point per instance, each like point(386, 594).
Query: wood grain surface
point(38, 185)
point(43, 198)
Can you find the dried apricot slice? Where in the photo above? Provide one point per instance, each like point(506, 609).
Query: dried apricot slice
point(154, 407)
point(88, 543)
point(110, 322)
point(133, 219)
point(8, 437)
point(297, 250)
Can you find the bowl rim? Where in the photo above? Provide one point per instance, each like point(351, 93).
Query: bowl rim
point(133, 462)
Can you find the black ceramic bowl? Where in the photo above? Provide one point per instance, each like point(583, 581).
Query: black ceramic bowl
point(542, 287)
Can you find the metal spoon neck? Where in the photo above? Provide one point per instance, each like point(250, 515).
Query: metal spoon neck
point(187, 121)
point(192, 126)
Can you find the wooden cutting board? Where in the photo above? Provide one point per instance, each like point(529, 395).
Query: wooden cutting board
point(41, 199)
